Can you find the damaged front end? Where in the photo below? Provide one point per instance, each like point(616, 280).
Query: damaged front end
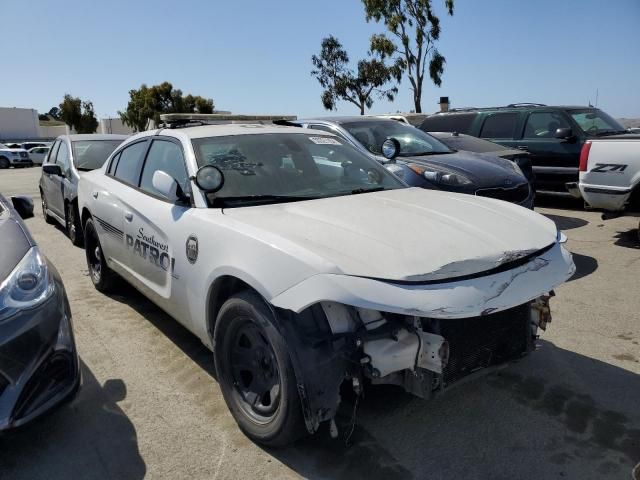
point(486, 322)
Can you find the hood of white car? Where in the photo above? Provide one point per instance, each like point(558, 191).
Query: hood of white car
point(407, 234)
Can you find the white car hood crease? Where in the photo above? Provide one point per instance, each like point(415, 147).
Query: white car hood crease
point(406, 234)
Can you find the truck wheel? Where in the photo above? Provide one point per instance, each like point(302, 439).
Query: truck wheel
point(255, 372)
point(4, 162)
point(101, 275)
point(74, 230)
point(47, 217)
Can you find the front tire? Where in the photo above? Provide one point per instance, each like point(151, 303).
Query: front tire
point(74, 229)
point(47, 217)
point(101, 275)
point(255, 372)
point(4, 162)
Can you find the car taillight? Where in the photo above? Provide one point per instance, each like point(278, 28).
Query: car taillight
point(584, 156)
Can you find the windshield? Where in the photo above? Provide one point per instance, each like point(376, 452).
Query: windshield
point(596, 122)
point(265, 168)
point(372, 133)
point(91, 154)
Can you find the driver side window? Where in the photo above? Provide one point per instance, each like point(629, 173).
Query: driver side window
point(166, 156)
point(62, 158)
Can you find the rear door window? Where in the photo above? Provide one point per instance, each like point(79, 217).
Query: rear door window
point(130, 163)
point(544, 124)
point(500, 125)
point(458, 122)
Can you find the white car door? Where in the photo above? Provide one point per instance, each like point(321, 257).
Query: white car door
point(108, 210)
point(156, 229)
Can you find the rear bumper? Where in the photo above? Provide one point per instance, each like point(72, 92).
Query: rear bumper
point(609, 199)
point(39, 366)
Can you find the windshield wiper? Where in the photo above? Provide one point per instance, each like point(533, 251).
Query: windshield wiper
point(239, 200)
point(366, 190)
point(611, 132)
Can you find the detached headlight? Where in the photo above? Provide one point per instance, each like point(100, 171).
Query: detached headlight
point(440, 175)
point(27, 285)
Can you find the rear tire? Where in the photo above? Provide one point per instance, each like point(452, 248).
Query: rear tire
point(101, 275)
point(74, 229)
point(255, 372)
point(4, 162)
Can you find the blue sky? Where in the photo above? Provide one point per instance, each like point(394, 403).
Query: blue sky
point(253, 56)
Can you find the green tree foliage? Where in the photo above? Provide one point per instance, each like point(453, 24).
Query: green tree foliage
point(78, 114)
point(416, 29)
point(147, 103)
point(54, 113)
point(341, 83)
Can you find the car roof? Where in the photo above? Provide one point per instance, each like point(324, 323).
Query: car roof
point(204, 131)
point(346, 119)
point(455, 111)
point(94, 136)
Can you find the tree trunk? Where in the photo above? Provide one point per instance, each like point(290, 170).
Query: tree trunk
point(417, 98)
point(362, 108)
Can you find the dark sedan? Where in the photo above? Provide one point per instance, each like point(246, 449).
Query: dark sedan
point(39, 366)
point(426, 162)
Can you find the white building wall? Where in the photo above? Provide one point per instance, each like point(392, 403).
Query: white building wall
point(19, 123)
point(114, 125)
point(53, 131)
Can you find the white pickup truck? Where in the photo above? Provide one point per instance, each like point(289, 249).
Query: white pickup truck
point(610, 173)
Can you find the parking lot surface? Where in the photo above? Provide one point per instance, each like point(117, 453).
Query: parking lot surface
point(150, 407)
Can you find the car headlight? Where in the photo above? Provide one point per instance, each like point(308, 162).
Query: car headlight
point(27, 285)
point(440, 175)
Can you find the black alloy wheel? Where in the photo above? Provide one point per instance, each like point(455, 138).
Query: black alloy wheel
point(99, 272)
point(74, 231)
point(255, 371)
point(45, 214)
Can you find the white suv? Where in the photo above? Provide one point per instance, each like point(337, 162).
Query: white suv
point(14, 157)
point(303, 264)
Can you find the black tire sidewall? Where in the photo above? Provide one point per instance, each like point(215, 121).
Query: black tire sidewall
point(4, 163)
point(287, 423)
point(73, 213)
point(104, 284)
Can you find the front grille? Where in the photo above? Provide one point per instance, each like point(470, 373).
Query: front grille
point(24, 154)
point(53, 376)
point(515, 195)
point(485, 341)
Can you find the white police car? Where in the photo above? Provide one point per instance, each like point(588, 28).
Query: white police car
point(302, 263)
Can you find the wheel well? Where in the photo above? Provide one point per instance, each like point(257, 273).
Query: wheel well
point(86, 215)
point(634, 199)
point(222, 289)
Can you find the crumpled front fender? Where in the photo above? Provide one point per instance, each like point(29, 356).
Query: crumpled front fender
point(457, 299)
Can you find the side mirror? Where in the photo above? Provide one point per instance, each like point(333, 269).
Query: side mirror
point(209, 179)
point(563, 133)
point(52, 169)
point(390, 148)
point(23, 205)
point(167, 186)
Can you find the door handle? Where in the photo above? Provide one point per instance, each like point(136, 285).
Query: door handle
point(128, 216)
point(523, 148)
point(94, 194)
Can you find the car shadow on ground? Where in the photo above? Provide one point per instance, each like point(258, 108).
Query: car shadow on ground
point(573, 417)
point(565, 203)
point(179, 335)
point(566, 223)
point(585, 265)
point(89, 438)
point(628, 239)
point(557, 412)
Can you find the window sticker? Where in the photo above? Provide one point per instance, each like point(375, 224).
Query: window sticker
point(325, 140)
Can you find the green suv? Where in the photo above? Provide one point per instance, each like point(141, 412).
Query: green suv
point(553, 136)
